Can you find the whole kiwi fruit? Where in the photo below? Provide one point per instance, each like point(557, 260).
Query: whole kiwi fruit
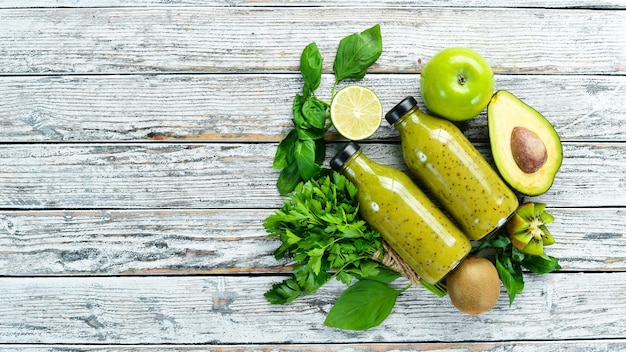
point(474, 285)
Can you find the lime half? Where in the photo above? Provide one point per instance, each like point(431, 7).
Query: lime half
point(356, 112)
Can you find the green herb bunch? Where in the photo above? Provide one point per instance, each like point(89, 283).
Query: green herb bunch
point(510, 262)
point(319, 228)
point(302, 151)
point(321, 231)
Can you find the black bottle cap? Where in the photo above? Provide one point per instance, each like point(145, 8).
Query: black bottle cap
point(336, 163)
point(400, 109)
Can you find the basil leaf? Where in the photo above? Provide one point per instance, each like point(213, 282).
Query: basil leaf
point(305, 158)
point(541, 264)
point(365, 304)
point(284, 152)
point(356, 53)
point(311, 68)
point(314, 112)
point(298, 117)
point(288, 179)
point(313, 134)
point(517, 256)
point(511, 276)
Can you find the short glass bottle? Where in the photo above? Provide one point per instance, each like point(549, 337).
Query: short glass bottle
point(446, 163)
point(425, 238)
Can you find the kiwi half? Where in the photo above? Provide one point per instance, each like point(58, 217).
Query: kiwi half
point(527, 229)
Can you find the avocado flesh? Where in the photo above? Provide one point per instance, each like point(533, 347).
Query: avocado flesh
point(505, 112)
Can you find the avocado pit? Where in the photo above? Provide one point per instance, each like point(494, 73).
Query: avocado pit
point(529, 151)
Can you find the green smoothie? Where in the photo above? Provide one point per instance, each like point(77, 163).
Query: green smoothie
point(450, 167)
point(406, 218)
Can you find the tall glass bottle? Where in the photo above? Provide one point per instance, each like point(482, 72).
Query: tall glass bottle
point(449, 166)
point(406, 218)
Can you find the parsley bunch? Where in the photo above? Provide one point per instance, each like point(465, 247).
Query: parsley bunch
point(320, 229)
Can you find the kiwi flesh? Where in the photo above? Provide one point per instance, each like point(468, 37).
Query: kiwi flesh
point(527, 228)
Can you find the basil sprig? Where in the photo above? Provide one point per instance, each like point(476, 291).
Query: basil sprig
point(301, 152)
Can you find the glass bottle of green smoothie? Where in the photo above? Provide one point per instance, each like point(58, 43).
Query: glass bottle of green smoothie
point(448, 165)
point(407, 219)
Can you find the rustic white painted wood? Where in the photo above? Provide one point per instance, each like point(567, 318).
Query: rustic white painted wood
point(218, 310)
point(224, 107)
point(613, 4)
point(221, 242)
point(241, 40)
point(506, 346)
point(136, 140)
point(185, 175)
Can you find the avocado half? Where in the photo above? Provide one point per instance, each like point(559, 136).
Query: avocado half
point(526, 148)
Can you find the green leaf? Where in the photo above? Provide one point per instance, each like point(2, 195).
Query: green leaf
point(517, 256)
point(283, 292)
point(305, 158)
point(314, 134)
point(511, 276)
point(542, 264)
point(311, 68)
point(288, 179)
point(296, 108)
point(356, 53)
point(284, 152)
point(307, 279)
point(315, 259)
point(385, 274)
point(364, 305)
point(314, 112)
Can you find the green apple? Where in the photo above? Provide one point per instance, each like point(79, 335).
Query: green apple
point(456, 83)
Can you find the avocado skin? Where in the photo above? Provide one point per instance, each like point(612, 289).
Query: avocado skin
point(505, 112)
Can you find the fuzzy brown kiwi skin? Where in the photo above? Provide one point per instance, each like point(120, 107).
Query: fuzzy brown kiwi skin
point(474, 286)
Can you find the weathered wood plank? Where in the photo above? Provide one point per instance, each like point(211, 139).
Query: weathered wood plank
point(235, 39)
point(608, 4)
point(184, 175)
point(202, 108)
point(226, 310)
point(210, 242)
point(135, 242)
point(506, 346)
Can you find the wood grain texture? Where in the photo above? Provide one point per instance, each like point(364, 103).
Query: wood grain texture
point(136, 142)
point(234, 39)
point(226, 310)
point(613, 345)
point(227, 242)
point(604, 4)
point(257, 108)
point(185, 175)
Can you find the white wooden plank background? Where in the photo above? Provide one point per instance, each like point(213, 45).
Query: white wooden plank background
point(257, 107)
point(186, 175)
point(233, 39)
point(226, 241)
point(129, 130)
point(116, 310)
point(335, 3)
